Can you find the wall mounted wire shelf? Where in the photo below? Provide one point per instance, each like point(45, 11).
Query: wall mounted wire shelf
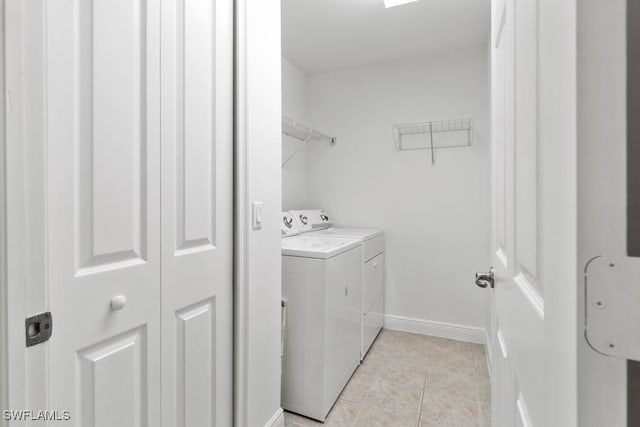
point(302, 133)
point(437, 134)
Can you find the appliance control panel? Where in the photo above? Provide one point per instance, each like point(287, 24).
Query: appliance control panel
point(311, 220)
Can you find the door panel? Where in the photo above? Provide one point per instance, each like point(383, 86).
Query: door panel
point(103, 179)
point(498, 126)
point(523, 419)
point(503, 383)
point(518, 301)
point(197, 212)
point(525, 141)
point(111, 100)
point(195, 365)
point(195, 115)
point(116, 364)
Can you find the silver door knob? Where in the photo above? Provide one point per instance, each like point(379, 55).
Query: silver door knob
point(486, 279)
point(118, 302)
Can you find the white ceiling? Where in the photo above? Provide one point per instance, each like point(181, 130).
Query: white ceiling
point(326, 35)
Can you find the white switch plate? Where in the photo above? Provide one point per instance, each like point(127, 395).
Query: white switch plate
point(257, 215)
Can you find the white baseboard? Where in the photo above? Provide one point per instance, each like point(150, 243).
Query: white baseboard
point(277, 420)
point(437, 329)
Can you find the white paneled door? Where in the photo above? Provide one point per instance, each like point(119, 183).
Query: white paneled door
point(103, 214)
point(138, 141)
point(517, 324)
point(197, 201)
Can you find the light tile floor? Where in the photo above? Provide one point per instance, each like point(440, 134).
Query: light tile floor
point(415, 381)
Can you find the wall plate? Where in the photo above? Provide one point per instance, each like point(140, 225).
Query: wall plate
point(257, 215)
point(612, 298)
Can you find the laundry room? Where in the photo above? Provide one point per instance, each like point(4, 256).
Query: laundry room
point(340, 213)
point(385, 134)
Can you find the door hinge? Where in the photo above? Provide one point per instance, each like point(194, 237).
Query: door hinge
point(38, 328)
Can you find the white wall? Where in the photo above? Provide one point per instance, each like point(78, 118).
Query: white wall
point(259, 179)
point(602, 382)
point(295, 104)
point(436, 217)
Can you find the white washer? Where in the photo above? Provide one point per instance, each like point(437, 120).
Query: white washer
point(321, 284)
point(318, 223)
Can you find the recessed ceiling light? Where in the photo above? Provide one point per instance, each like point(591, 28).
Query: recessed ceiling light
point(393, 3)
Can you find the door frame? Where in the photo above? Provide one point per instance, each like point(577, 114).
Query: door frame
point(257, 140)
point(240, 232)
point(13, 263)
point(558, 154)
point(4, 304)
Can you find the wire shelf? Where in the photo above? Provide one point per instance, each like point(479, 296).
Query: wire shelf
point(303, 133)
point(406, 135)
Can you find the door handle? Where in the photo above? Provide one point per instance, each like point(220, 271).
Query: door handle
point(118, 302)
point(486, 279)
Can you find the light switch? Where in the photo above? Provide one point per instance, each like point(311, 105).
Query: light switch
point(257, 215)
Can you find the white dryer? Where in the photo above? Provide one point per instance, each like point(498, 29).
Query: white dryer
point(321, 283)
point(318, 223)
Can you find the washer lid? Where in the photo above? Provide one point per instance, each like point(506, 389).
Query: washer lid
point(317, 246)
point(362, 234)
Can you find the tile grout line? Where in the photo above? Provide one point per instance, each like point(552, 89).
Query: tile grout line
point(476, 384)
point(424, 388)
point(355, 420)
point(360, 406)
point(477, 373)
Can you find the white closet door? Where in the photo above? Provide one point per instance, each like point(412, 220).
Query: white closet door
point(102, 79)
point(139, 211)
point(197, 203)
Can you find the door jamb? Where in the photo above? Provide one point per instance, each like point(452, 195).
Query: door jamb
point(241, 243)
point(4, 303)
point(13, 285)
